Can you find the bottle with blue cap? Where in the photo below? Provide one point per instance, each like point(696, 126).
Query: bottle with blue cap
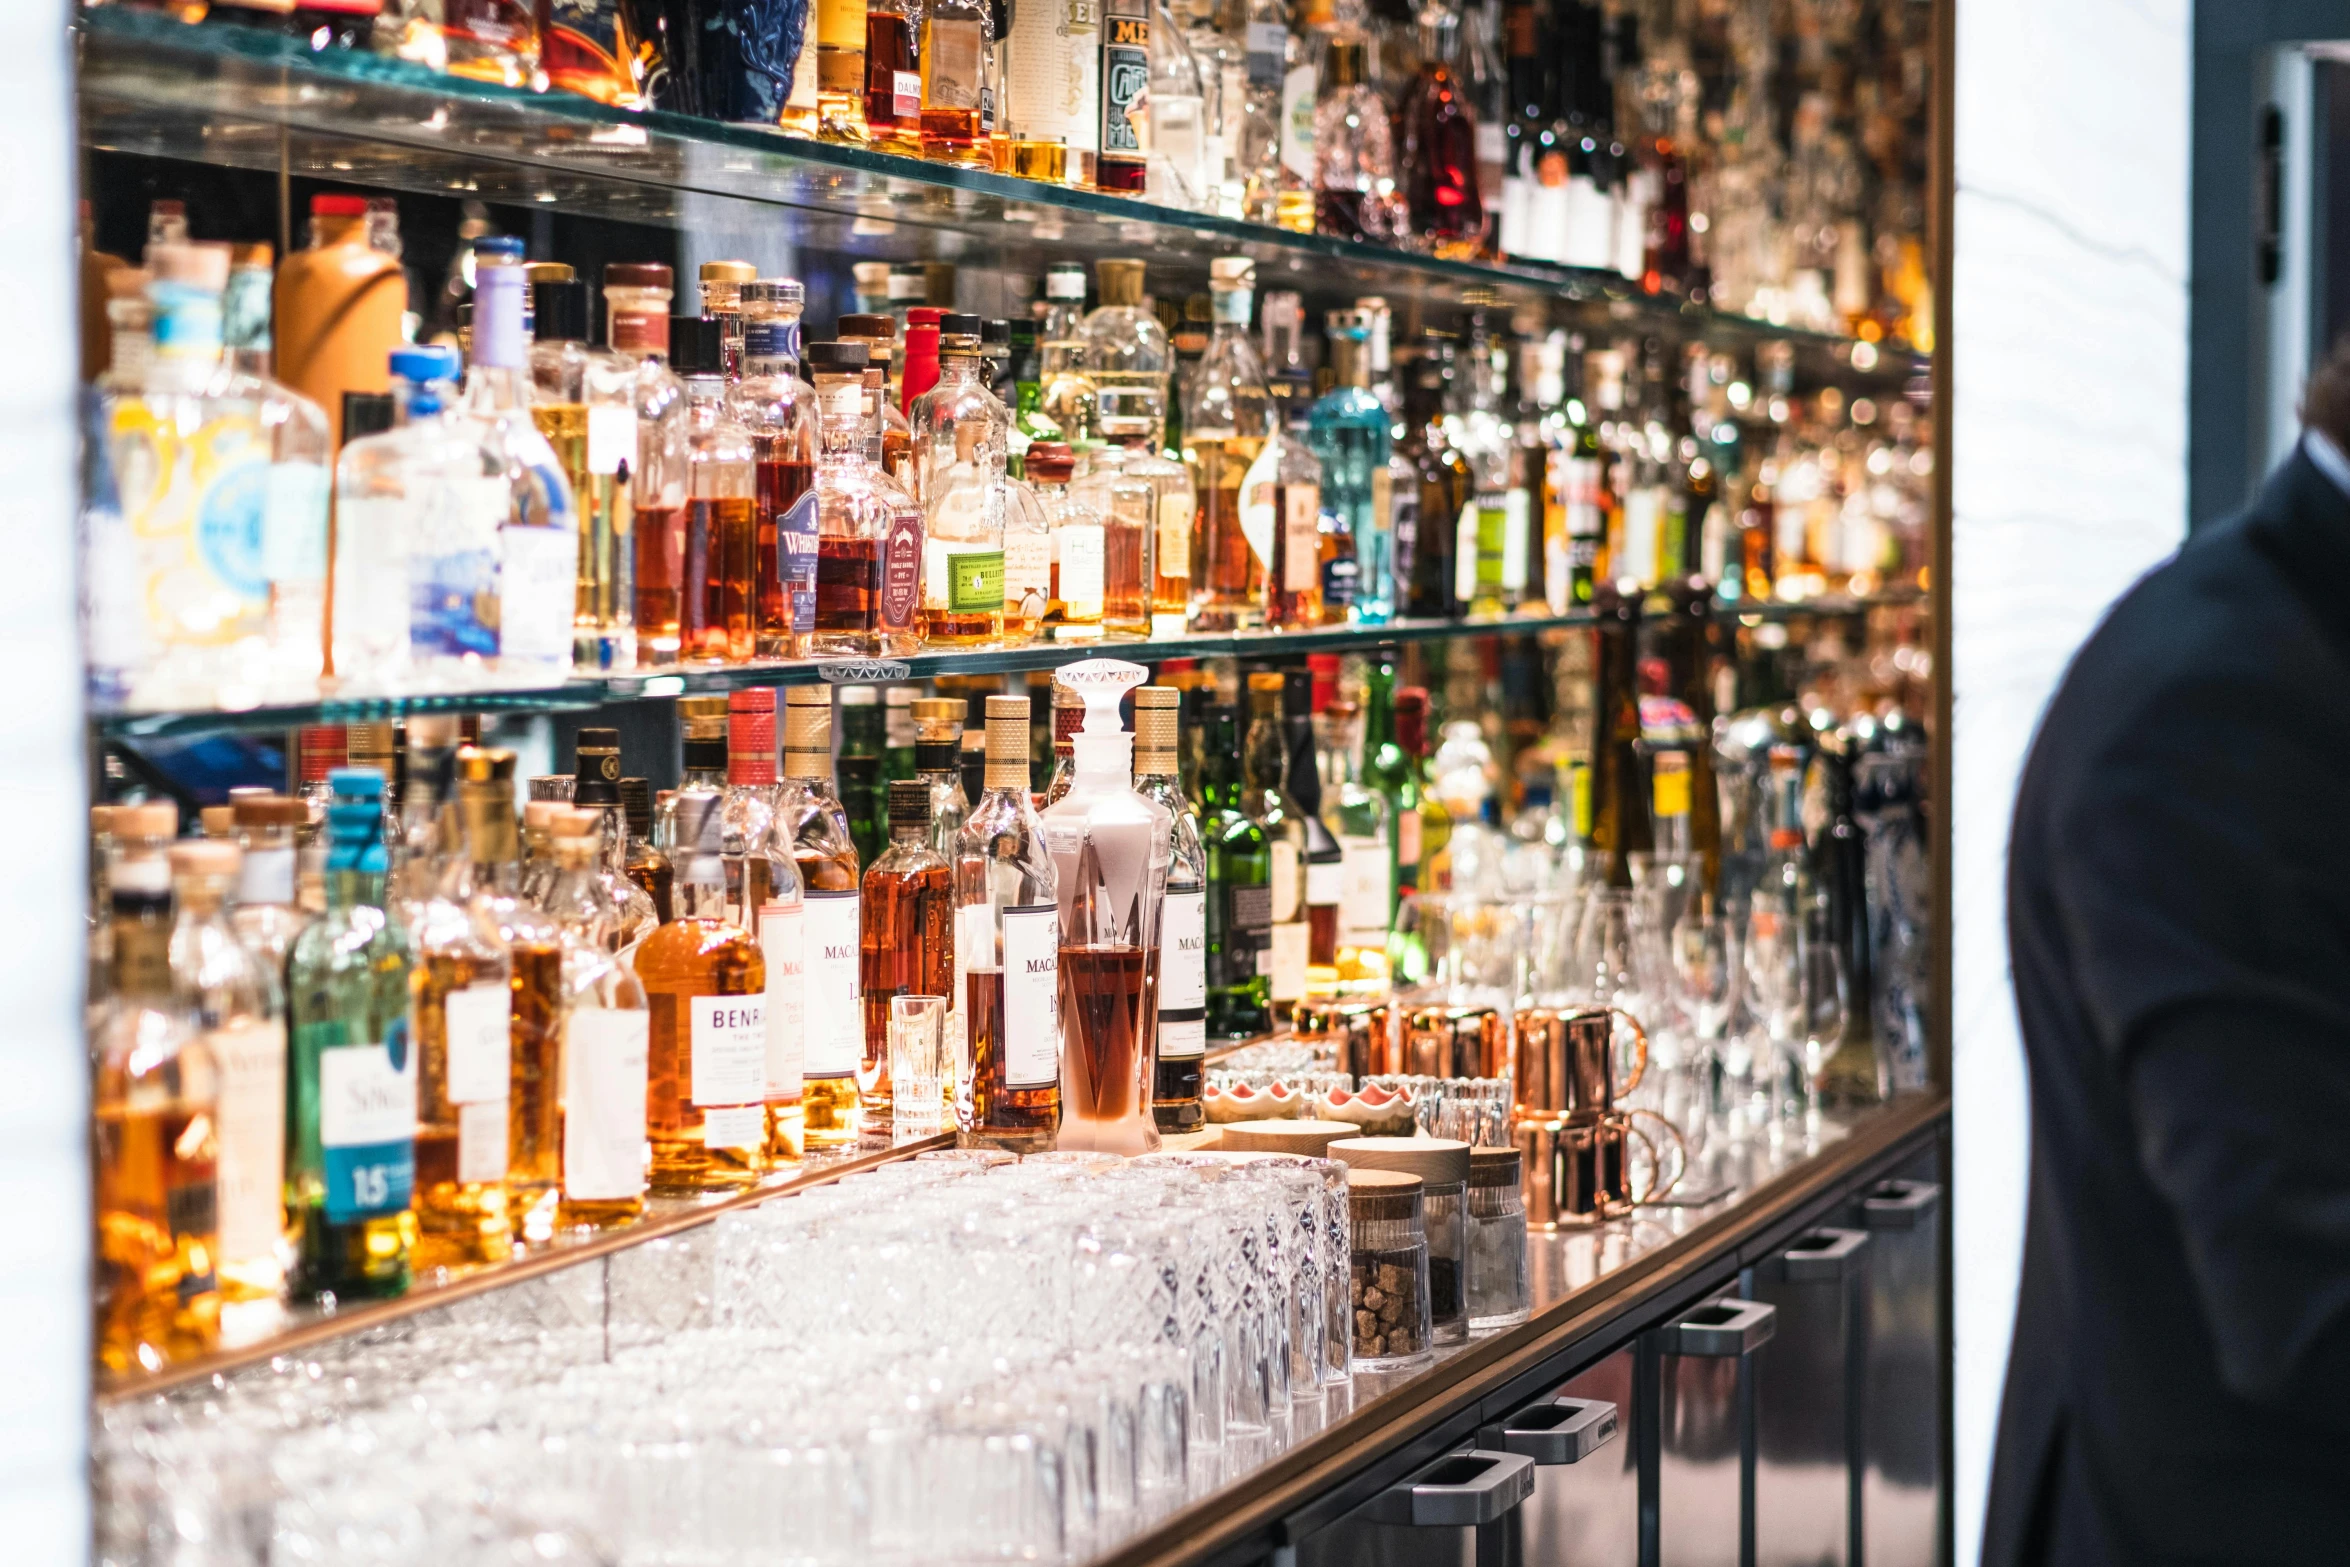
point(351, 1076)
point(392, 491)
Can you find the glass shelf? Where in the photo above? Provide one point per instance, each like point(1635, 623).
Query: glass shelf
point(227, 95)
point(588, 692)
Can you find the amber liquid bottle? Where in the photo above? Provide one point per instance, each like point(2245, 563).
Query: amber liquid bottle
point(647, 866)
point(809, 815)
point(893, 80)
point(1007, 931)
point(909, 938)
point(705, 981)
point(718, 574)
point(1620, 825)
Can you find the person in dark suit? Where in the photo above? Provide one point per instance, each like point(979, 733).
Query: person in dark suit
point(2178, 1390)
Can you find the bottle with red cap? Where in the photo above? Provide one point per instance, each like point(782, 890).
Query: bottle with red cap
point(647, 443)
point(338, 309)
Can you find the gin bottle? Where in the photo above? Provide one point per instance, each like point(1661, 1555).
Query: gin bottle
point(1349, 432)
point(1007, 944)
point(351, 1078)
point(536, 538)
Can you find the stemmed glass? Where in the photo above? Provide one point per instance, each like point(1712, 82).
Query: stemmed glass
point(1772, 1043)
point(1824, 1000)
point(1703, 947)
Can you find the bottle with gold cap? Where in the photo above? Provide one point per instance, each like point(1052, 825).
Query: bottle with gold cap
point(241, 1013)
point(155, 1106)
point(1007, 943)
point(810, 819)
point(606, 1033)
point(706, 981)
point(722, 302)
point(1178, 972)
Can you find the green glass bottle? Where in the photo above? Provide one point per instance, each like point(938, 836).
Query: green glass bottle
point(1390, 774)
point(863, 793)
point(1240, 889)
point(351, 1073)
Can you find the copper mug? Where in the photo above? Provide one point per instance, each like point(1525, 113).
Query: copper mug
point(1357, 1033)
point(1565, 1060)
point(1578, 1168)
point(1456, 1042)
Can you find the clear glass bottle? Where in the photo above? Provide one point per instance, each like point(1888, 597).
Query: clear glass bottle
point(722, 301)
point(351, 1103)
point(746, 810)
point(958, 36)
point(596, 785)
point(636, 308)
point(535, 568)
point(706, 980)
point(893, 81)
point(1066, 399)
point(1215, 33)
point(1079, 542)
point(491, 41)
point(1178, 969)
point(810, 819)
point(154, 1108)
point(1128, 359)
point(223, 480)
point(241, 1019)
point(582, 401)
point(264, 913)
point(645, 866)
point(1277, 131)
point(712, 549)
point(1350, 434)
point(1174, 122)
point(869, 541)
point(606, 1040)
point(1110, 850)
point(1226, 420)
point(1028, 562)
point(779, 409)
point(960, 435)
point(1431, 489)
point(908, 939)
point(1126, 502)
point(1356, 195)
point(1281, 516)
point(1007, 944)
point(840, 70)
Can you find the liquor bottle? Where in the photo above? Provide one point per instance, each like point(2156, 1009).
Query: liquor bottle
point(1358, 816)
point(1265, 798)
point(997, 354)
point(713, 545)
point(1052, 91)
point(1239, 907)
point(596, 48)
point(224, 453)
point(264, 913)
point(863, 750)
point(810, 820)
point(1435, 479)
point(1484, 519)
point(1856, 1074)
point(1525, 133)
point(1350, 434)
point(1079, 533)
point(1226, 421)
point(893, 83)
point(490, 41)
point(779, 411)
point(1390, 772)
point(1432, 830)
point(1439, 158)
point(938, 748)
point(907, 940)
point(606, 1035)
point(636, 311)
point(647, 868)
point(746, 807)
point(155, 1106)
point(244, 310)
point(706, 982)
point(628, 910)
point(351, 1102)
point(1109, 847)
point(1277, 139)
point(1620, 821)
point(240, 1018)
point(1128, 359)
point(383, 482)
point(840, 70)
point(1356, 195)
point(533, 567)
point(1067, 400)
point(703, 721)
point(1323, 859)
point(1485, 81)
point(1177, 971)
point(1531, 434)
point(1175, 123)
point(583, 401)
point(1068, 710)
point(1007, 943)
point(1215, 36)
point(1127, 107)
point(1281, 515)
point(869, 540)
point(339, 306)
point(961, 433)
point(918, 367)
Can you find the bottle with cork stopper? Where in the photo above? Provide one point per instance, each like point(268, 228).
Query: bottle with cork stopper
point(907, 940)
point(1007, 944)
point(607, 1033)
point(1178, 973)
point(811, 822)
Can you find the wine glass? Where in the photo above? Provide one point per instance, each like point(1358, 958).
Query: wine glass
point(1772, 1043)
point(1824, 1002)
point(1704, 952)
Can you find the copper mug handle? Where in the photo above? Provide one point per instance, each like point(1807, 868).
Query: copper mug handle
point(1656, 1192)
point(1639, 1051)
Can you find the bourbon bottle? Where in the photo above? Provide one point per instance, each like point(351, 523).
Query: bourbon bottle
point(908, 938)
point(809, 818)
point(1007, 940)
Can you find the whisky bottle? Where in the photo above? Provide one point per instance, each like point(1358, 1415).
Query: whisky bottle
point(647, 868)
point(702, 776)
point(1239, 909)
point(893, 83)
point(779, 410)
point(1281, 513)
point(746, 809)
point(533, 563)
point(596, 786)
point(869, 530)
point(764, 897)
point(637, 296)
point(722, 301)
point(1226, 419)
point(1438, 158)
point(1128, 358)
point(1431, 490)
point(264, 913)
point(1080, 545)
point(889, 437)
point(1007, 943)
point(606, 1034)
point(1067, 400)
point(1359, 815)
point(907, 940)
point(584, 401)
point(717, 622)
point(1128, 107)
point(154, 1107)
point(1109, 846)
point(706, 984)
point(809, 819)
point(1266, 799)
point(1068, 717)
point(351, 1075)
point(840, 70)
point(1127, 504)
point(960, 436)
point(1324, 861)
point(958, 36)
point(1620, 820)
point(241, 1018)
point(1177, 972)
point(1355, 176)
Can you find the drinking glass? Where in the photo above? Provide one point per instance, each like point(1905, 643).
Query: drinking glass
point(917, 1065)
point(1824, 1001)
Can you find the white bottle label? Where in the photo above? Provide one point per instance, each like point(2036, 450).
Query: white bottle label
point(1301, 529)
point(1324, 882)
point(251, 1057)
point(835, 1008)
point(743, 1127)
point(730, 1049)
point(479, 1057)
point(611, 430)
point(1285, 962)
point(1175, 515)
point(782, 932)
point(1363, 893)
point(1184, 1039)
point(373, 613)
point(604, 1066)
point(266, 876)
point(1032, 996)
point(1516, 540)
point(1464, 553)
point(1080, 549)
point(1183, 955)
point(363, 1100)
point(1028, 566)
point(481, 1142)
point(1297, 122)
point(1636, 554)
point(1284, 883)
point(538, 588)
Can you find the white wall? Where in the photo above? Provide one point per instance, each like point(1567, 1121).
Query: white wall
point(44, 1160)
point(2069, 408)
